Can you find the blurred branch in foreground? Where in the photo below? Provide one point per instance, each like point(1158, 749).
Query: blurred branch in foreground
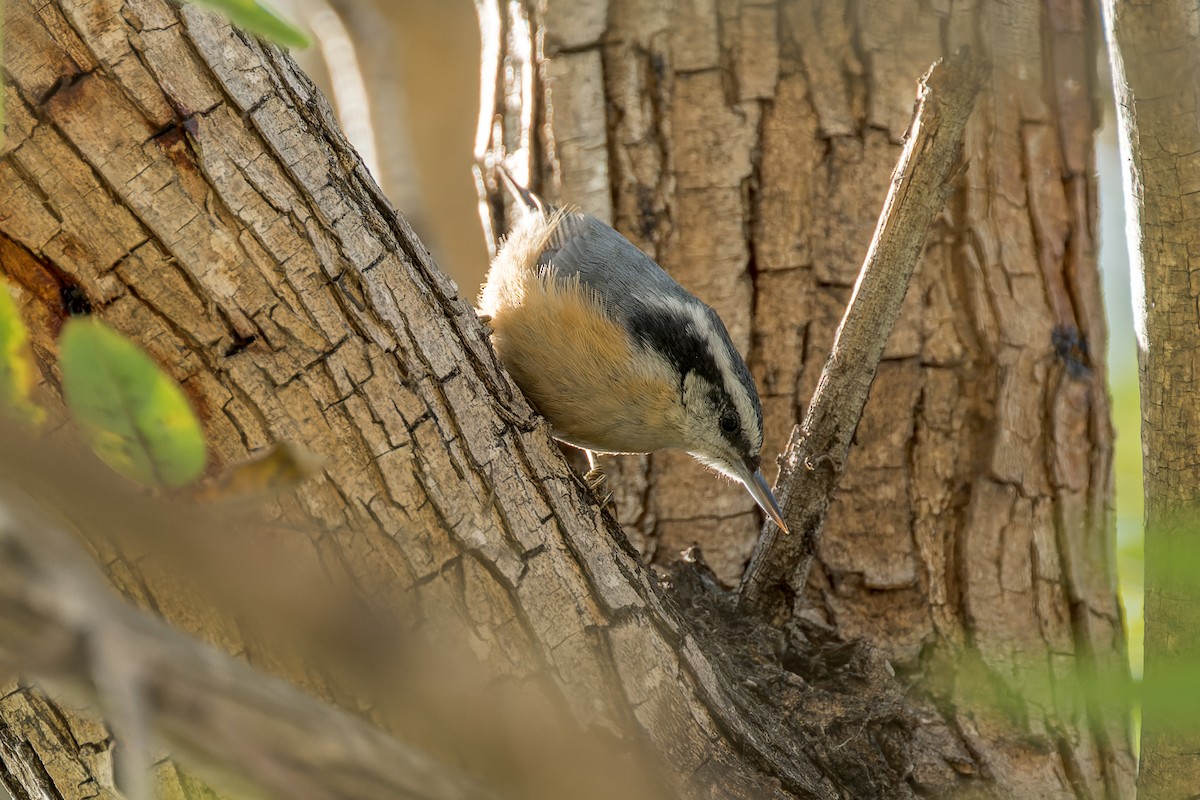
point(367, 664)
point(60, 623)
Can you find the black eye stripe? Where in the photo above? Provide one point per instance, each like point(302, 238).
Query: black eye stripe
point(674, 336)
point(676, 340)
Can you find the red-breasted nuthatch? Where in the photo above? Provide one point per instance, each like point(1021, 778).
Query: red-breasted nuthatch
point(613, 352)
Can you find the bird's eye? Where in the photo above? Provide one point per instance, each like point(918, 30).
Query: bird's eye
point(729, 422)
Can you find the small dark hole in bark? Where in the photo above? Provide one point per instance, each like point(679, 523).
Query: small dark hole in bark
point(1072, 348)
point(239, 344)
point(75, 301)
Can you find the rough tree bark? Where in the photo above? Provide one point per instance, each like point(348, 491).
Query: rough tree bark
point(1156, 75)
point(747, 146)
point(190, 187)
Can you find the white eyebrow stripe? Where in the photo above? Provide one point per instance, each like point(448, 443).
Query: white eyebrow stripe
point(723, 352)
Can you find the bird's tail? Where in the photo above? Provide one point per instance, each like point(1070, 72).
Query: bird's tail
point(522, 195)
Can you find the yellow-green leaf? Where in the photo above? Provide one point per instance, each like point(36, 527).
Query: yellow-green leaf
point(16, 364)
point(133, 414)
point(259, 20)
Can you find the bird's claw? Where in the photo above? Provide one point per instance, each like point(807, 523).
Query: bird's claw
point(595, 479)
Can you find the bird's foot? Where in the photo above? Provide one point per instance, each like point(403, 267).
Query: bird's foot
point(597, 481)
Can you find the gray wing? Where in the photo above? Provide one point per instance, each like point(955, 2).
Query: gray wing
point(633, 289)
point(622, 275)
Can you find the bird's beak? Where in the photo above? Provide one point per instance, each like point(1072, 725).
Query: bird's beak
point(756, 484)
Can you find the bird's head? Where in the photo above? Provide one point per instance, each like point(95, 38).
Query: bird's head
point(721, 419)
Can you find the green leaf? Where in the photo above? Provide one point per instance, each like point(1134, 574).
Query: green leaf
point(259, 20)
point(17, 370)
point(133, 414)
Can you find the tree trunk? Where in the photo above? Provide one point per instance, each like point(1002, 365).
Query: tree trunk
point(1156, 75)
point(192, 188)
point(747, 146)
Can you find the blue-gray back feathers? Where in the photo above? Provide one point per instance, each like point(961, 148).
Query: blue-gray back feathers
point(660, 314)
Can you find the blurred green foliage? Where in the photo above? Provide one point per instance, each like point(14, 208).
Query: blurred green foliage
point(134, 416)
point(17, 368)
point(1130, 506)
point(1169, 692)
point(260, 20)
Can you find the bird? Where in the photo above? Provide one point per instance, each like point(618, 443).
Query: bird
point(613, 352)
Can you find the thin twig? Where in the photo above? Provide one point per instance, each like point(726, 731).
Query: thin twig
point(818, 448)
point(234, 724)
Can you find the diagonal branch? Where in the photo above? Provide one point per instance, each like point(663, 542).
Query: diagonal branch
point(59, 623)
point(818, 448)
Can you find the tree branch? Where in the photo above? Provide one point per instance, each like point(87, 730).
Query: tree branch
point(818, 448)
point(61, 624)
